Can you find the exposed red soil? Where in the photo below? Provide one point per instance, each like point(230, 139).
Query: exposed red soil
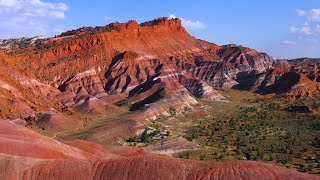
point(38, 157)
point(308, 66)
point(293, 85)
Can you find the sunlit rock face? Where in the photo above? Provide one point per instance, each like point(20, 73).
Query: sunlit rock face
point(149, 66)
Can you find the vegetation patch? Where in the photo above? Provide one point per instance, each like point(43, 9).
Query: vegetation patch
point(250, 127)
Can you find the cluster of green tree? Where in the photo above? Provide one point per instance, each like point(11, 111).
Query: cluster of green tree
point(264, 132)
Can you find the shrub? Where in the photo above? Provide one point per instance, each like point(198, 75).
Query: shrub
point(172, 111)
point(301, 167)
point(145, 137)
point(305, 149)
point(221, 157)
point(310, 167)
point(271, 158)
point(202, 157)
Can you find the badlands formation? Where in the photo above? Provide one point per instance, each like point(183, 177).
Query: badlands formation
point(57, 84)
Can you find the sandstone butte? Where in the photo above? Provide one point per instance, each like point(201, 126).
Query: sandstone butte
point(150, 67)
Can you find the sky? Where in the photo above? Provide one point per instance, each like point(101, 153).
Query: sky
point(281, 28)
